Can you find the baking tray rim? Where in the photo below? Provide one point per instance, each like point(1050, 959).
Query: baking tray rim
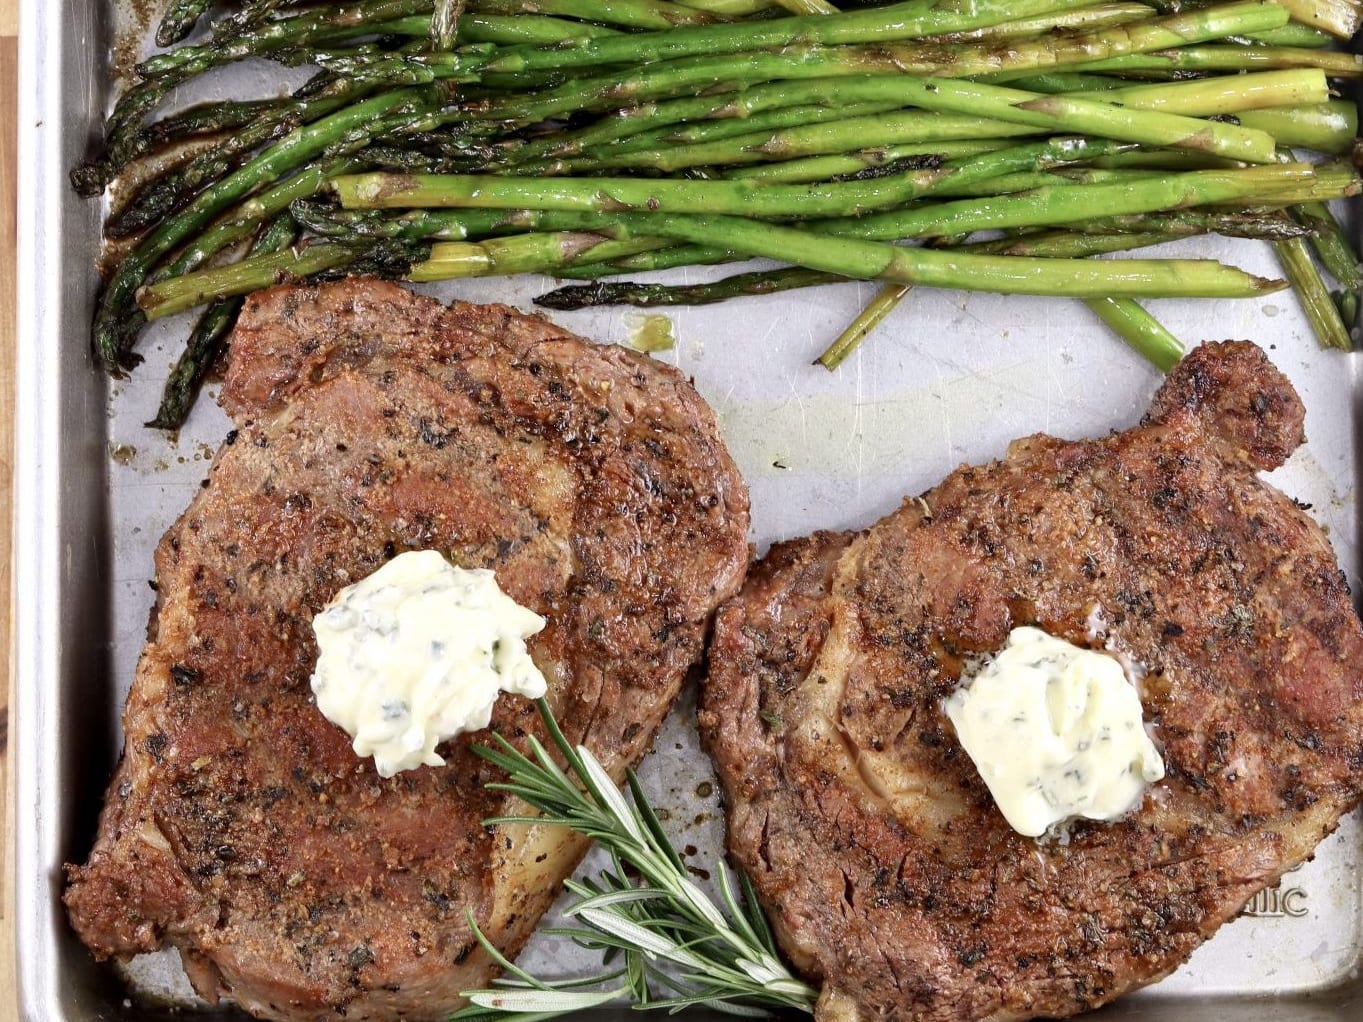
point(36, 539)
point(42, 480)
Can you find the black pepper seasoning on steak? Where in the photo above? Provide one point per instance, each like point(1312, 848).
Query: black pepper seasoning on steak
point(371, 420)
point(889, 874)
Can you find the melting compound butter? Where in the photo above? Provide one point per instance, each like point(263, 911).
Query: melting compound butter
point(1056, 732)
point(418, 653)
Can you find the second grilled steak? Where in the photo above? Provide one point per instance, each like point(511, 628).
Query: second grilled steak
point(240, 827)
point(890, 875)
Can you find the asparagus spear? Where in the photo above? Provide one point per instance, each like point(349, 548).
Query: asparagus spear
point(327, 25)
point(604, 195)
point(1016, 211)
point(206, 341)
point(1054, 205)
point(1051, 82)
point(1334, 249)
point(165, 193)
point(438, 224)
point(412, 161)
point(1189, 98)
point(876, 161)
point(1292, 34)
point(120, 129)
point(1052, 245)
point(282, 40)
point(1207, 97)
point(203, 119)
point(870, 317)
point(124, 126)
point(738, 106)
point(1078, 19)
point(833, 131)
point(1302, 12)
point(89, 179)
point(650, 262)
point(890, 23)
point(117, 321)
point(1045, 181)
point(869, 260)
point(658, 15)
point(572, 240)
point(1070, 204)
point(1098, 116)
point(1326, 127)
point(743, 285)
point(521, 253)
point(1281, 182)
point(240, 222)
point(1294, 255)
point(179, 20)
point(444, 23)
point(1227, 58)
point(876, 89)
point(524, 253)
point(177, 294)
point(243, 220)
point(731, 9)
point(1270, 225)
point(990, 109)
point(537, 30)
point(684, 75)
point(905, 22)
point(1341, 18)
point(1133, 324)
point(739, 128)
point(327, 221)
point(252, 13)
point(1069, 244)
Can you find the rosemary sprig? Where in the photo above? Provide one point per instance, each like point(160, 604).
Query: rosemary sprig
point(677, 947)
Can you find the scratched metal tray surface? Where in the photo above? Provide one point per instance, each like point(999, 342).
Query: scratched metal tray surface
point(949, 378)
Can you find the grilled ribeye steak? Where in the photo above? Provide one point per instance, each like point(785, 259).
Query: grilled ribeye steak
point(889, 873)
point(240, 827)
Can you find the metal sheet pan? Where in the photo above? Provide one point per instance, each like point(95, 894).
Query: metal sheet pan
point(949, 378)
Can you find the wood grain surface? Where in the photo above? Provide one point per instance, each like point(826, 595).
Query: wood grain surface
point(9, 78)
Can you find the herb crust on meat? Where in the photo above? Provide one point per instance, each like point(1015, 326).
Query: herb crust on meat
point(888, 872)
point(240, 827)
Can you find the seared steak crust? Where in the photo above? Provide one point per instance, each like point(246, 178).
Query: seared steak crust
point(240, 827)
point(876, 848)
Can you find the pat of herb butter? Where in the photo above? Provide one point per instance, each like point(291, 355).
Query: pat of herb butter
point(418, 653)
point(1056, 732)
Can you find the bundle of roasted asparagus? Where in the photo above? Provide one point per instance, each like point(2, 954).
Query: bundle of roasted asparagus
point(974, 144)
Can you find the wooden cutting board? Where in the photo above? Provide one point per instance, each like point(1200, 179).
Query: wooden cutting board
point(9, 78)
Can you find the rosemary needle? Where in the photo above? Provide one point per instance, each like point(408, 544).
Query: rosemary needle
point(678, 947)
